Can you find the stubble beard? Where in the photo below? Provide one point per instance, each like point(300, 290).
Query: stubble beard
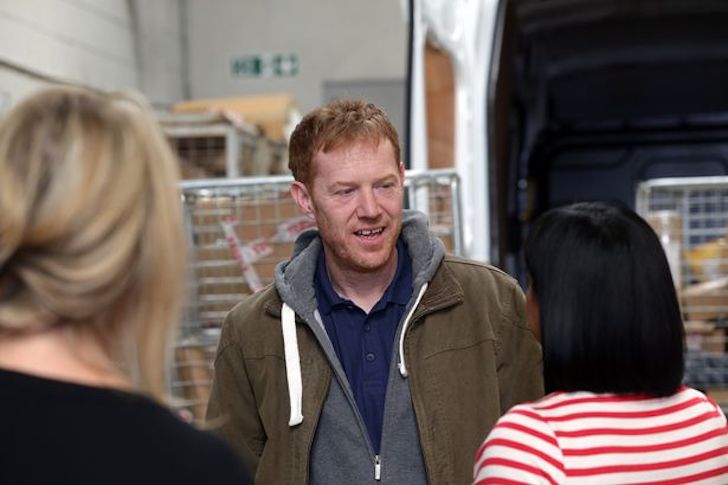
point(356, 261)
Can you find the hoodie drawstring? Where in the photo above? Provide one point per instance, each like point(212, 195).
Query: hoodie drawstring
point(293, 361)
point(401, 365)
point(293, 365)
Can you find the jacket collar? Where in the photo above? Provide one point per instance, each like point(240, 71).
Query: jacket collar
point(443, 291)
point(398, 291)
point(294, 278)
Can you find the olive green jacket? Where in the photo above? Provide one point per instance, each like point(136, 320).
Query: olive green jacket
point(469, 353)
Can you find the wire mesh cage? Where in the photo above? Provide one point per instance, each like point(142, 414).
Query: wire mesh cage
point(690, 215)
point(211, 145)
point(238, 231)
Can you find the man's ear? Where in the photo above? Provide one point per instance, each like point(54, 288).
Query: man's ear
point(300, 194)
point(401, 173)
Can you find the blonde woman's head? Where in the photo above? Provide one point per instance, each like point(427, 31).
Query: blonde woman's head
point(90, 225)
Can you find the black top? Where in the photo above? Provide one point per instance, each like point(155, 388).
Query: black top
point(56, 432)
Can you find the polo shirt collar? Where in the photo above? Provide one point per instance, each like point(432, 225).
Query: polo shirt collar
point(399, 290)
point(327, 296)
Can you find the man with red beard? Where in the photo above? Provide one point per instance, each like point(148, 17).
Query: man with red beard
point(374, 357)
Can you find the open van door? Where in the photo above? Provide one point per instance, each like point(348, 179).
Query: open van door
point(465, 31)
point(563, 100)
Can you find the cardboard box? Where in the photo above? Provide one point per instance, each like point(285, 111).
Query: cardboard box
point(719, 395)
point(194, 378)
point(272, 113)
point(705, 301)
point(709, 261)
point(705, 337)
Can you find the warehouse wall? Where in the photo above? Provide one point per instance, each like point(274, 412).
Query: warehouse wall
point(178, 49)
point(110, 44)
point(15, 85)
point(160, 49)
point(342, 40)
point(89, 41)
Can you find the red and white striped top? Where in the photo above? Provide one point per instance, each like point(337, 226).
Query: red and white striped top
point(582, 437)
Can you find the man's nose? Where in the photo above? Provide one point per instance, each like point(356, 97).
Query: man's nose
point(368, 204)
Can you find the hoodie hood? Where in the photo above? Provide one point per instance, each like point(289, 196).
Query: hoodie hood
point(294, 278)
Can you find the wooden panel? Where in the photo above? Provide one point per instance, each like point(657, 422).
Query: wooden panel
point(440, 96)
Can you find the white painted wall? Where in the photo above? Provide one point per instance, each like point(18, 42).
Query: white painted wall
point(109, 44)
point(87, 41)
point(113, 44)
point(159, 49)
point(15, 86)
point(335, 40)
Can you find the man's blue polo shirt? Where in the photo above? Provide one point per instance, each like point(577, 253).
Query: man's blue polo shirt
point(363, 342)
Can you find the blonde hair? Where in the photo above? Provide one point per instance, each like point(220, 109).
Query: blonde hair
point(90, 225)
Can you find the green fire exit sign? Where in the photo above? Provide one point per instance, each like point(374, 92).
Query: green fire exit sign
point(265, 65)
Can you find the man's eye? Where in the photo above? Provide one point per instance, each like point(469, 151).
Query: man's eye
point(345, 191)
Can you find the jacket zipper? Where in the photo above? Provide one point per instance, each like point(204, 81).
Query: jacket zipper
point(350, 397)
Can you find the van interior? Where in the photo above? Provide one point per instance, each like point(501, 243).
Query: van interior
point(591, 97)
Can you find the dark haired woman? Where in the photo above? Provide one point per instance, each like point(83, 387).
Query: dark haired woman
point(602, 300)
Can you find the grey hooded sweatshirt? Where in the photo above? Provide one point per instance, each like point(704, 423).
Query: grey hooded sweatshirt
point(342, 451)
